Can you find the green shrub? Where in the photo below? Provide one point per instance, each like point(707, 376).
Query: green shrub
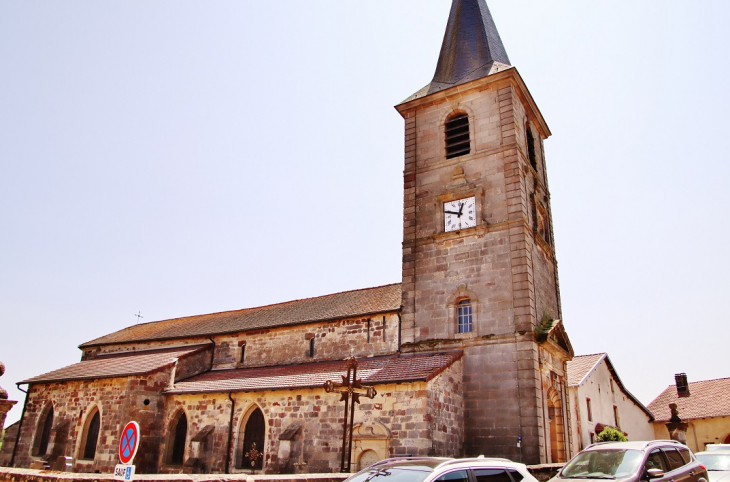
point(610, 434)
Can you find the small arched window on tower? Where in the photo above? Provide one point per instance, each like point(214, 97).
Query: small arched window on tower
point(464, 316)
point(457, 135)
point(531, 149)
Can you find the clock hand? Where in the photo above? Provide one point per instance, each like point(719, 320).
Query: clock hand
point(461, 208)
point(452, 212)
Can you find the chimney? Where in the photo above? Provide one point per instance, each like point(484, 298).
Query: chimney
point(682, 385)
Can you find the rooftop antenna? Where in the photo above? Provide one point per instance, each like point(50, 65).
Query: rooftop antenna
point(139, 317)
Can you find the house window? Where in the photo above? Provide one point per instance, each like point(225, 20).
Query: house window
point(531, 149)
point(92, 436)
point(311, 347)
point(588, 407)
point(464, 316)
point(457, 136)
point(615, 416)
point(243, 351)
point(179, 437)
point(44, 428)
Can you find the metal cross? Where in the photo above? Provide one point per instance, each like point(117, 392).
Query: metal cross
point(139, 316)
point(347, 392)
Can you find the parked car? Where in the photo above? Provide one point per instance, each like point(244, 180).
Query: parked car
point(717, 463)
point(657, 460)
point(711, 447)
point(441, 469)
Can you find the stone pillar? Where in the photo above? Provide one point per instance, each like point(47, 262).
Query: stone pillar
point(677, 428)
point(5, 404)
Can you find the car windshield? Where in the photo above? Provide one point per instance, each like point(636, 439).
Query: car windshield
point(409, 473)
point(603, 464)
point(715, 461)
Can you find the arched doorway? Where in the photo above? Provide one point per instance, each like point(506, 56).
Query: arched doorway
point(90, 434)
point(727, 439)
point(43, 432)
point(557, 431)
point(251, 432)
point(177, 439)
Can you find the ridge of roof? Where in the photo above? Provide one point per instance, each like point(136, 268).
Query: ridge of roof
point(586, 372)
point(595, 360)
point(319, 308)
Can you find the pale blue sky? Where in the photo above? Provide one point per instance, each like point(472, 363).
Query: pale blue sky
point(184, 157)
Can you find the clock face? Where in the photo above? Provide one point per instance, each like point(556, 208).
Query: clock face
point(460, 214)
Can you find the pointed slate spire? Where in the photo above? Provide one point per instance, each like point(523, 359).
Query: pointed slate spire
point(471, 49)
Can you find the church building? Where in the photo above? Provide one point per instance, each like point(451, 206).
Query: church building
point(467, 354)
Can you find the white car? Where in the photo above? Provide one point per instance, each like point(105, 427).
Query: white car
point(717, 463)
point(440, 469)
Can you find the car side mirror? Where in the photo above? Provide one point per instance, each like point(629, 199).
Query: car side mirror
point(655, 473)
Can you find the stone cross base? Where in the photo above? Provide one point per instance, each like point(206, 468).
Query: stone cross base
point(5, 406)
point(678, 431)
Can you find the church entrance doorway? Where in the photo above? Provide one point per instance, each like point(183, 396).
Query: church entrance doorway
point(253, 432)
point(727, 439)
point(557, 433)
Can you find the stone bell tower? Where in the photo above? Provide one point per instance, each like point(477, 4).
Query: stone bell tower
point(479, 266)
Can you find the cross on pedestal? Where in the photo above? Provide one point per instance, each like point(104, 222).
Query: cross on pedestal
point(347, 392)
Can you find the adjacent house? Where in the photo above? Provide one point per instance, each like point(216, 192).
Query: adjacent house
point(705, 406)
point(599, 399)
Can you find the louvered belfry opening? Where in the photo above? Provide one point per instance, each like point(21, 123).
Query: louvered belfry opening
point(457, 136)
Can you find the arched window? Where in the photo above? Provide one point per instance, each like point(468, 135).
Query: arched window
point(531, 148)
point(457, 136)
point(249, 435)
point(91, 435)
point(464, 316)
point(43, 433)
point(178, 437)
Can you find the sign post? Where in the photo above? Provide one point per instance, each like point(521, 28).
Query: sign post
point(128, 445)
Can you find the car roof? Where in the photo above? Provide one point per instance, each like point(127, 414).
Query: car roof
point(714, 452)
point(637, 445)
point(442, 462)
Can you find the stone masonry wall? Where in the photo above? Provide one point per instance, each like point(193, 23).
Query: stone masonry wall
point(334, 340)
point(402, 408)
point(446, 412)
point(118, 400)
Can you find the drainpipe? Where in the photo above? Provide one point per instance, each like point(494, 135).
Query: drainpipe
point(230, 433)
point(20, 424)
point(400, 329)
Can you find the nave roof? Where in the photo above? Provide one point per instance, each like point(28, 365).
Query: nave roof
point(348, 304)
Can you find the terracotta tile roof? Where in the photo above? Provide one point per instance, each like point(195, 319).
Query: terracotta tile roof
point(372, 371)
point(348, 304)
point(118, 365)
point(581, 366)
point(710, 398)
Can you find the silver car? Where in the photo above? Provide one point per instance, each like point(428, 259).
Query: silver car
point(717, 463)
